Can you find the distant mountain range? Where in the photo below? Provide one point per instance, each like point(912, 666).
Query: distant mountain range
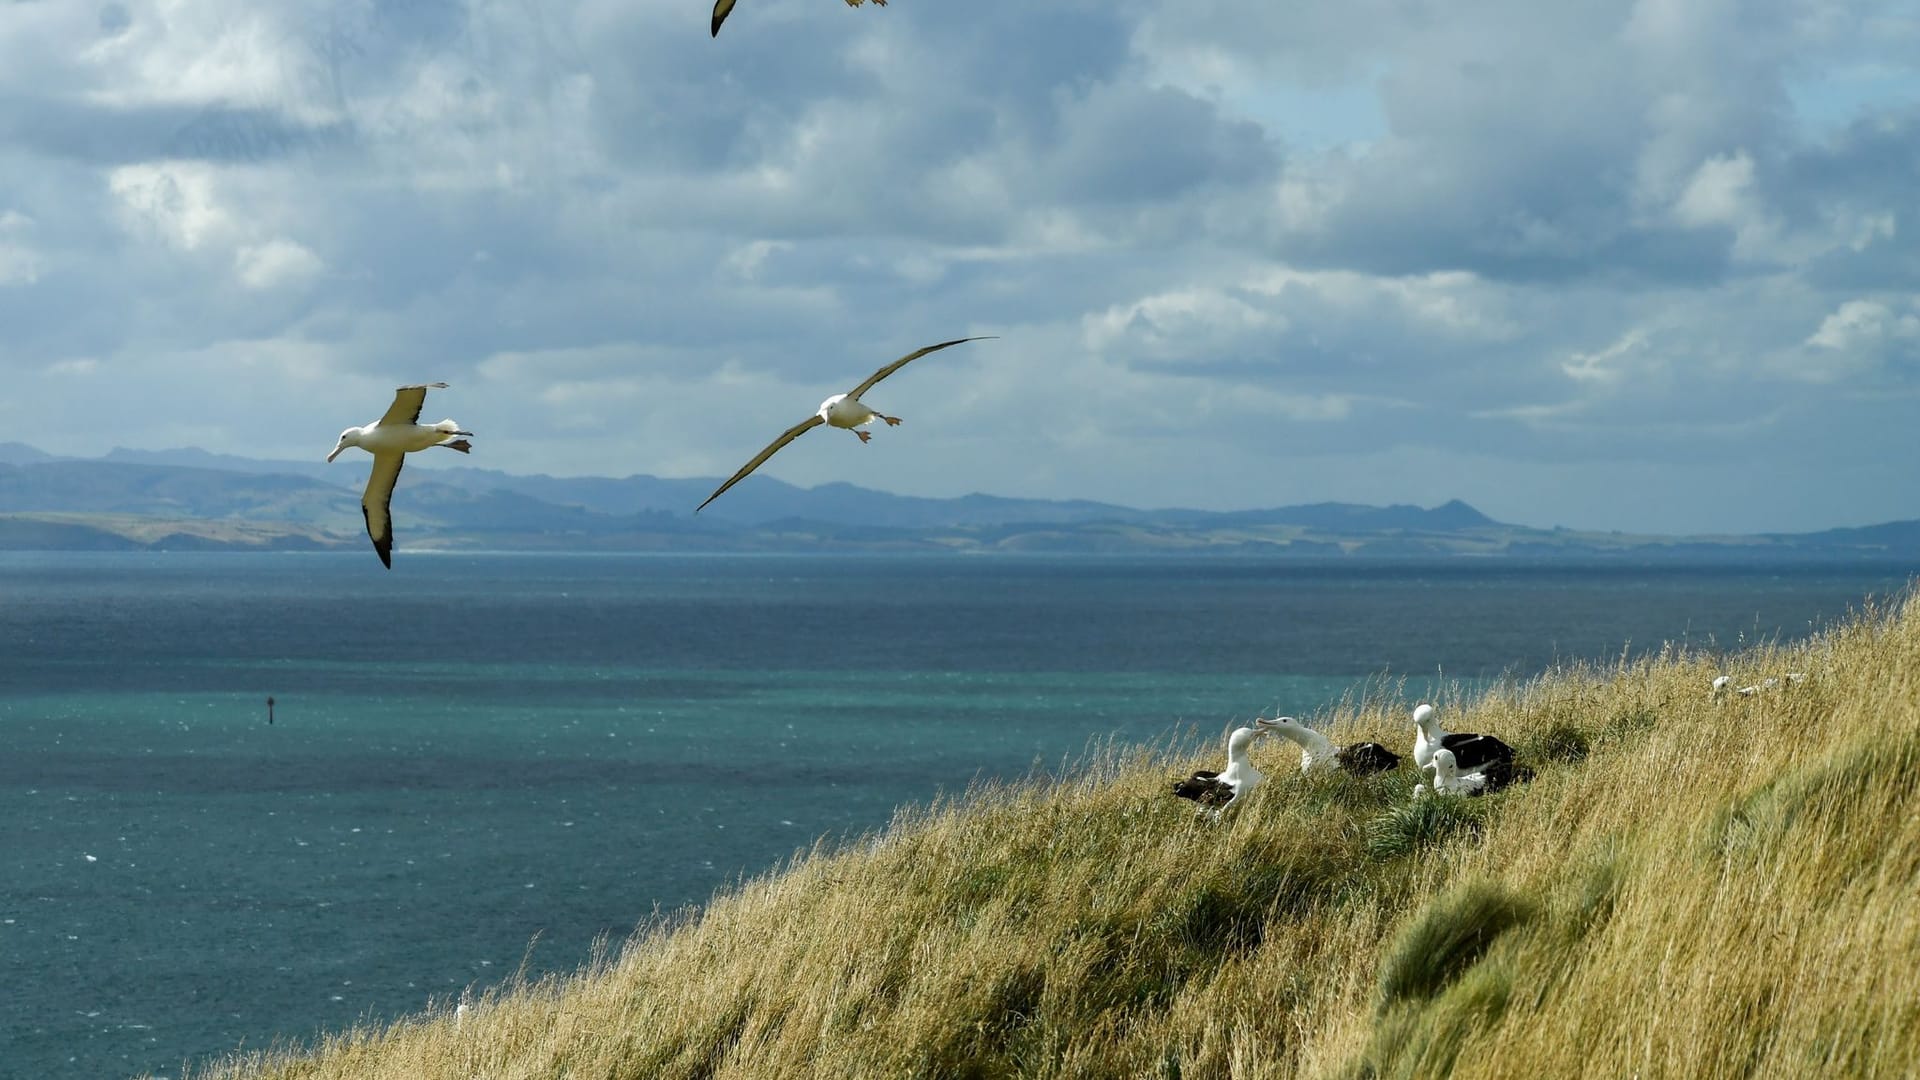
point(192, 499)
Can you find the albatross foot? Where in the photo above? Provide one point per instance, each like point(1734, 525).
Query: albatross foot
point(864, 437)
point(892, 421)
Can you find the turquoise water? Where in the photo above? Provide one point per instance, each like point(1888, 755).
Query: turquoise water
point(479, 761)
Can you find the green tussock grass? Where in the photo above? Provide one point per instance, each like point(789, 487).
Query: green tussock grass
point(1681, 892)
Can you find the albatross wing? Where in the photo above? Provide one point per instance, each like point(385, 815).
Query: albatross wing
point(721, 9)
point(1473, 750)
point(773, 447)
point(405, 409)
point(1366, 758)
point(904, 361)
point(375, 505)
point(1205, 788)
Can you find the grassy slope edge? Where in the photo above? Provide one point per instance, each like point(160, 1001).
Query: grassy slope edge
point(1689, 888)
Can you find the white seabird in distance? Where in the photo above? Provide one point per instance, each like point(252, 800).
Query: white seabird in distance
point(1219, 789)
point(1469, 751)
point(1770, 682)
point(723, 8)
point(841, 411)
point(1318, 754)
point(390, 439)
point(1791, 678)
point(1450, 779)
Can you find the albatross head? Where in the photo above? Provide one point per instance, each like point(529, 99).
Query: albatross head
point(349, 437)
point(1444, 767)
point(1242, 738)
point(1423, 716)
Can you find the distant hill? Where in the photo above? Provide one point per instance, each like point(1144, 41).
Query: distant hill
point(13, 453)
point(131, 499)
point(196, 458)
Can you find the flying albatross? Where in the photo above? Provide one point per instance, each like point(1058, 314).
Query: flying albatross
point(1469, 751)
point(723, 8)
point(1219, 789)
point(390, 439)
point(841, 411)
point(1450, 779)
point(1318, 754)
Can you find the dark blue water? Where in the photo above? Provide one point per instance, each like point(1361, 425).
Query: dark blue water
point(472, 752)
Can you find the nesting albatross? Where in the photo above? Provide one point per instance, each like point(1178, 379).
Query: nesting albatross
point(1450, 779)
point(1469, 751)
point(841, 411)
point(390, 439)
point(1219, 789)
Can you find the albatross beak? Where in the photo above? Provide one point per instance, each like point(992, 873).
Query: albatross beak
point(336, 453)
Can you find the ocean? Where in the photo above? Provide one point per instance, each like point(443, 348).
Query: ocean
point(483, 763)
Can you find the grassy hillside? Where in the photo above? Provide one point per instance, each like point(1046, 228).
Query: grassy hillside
point(1691, 887)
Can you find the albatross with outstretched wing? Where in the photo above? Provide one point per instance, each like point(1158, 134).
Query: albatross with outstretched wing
point(390, 439)
point(841, 411)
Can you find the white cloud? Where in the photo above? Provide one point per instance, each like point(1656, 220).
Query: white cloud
point(19, 263)
point(1720, 193)
point(1608, 365)
point(744, 262)
point(1854, 321)
point(1170, 323)
point(195, 52)
point(174, 201)
point(274, 264)
point(78, 366)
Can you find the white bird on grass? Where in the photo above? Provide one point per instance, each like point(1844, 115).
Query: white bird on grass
point(1450, 779)
point(1319, 754)
point(1769, 683)
point(390, 439)
point(841, 411)
point(1470, 750)
point(1220, 789)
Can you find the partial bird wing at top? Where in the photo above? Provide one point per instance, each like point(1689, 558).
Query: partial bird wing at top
point(904, 361)
point(407, 402)
point(773, 447)
point(376, 504)
point(722, 8)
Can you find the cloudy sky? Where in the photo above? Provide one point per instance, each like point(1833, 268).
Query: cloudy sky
point(1648, 266)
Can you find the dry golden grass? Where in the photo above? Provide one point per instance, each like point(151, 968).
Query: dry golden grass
point(1684, 891)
